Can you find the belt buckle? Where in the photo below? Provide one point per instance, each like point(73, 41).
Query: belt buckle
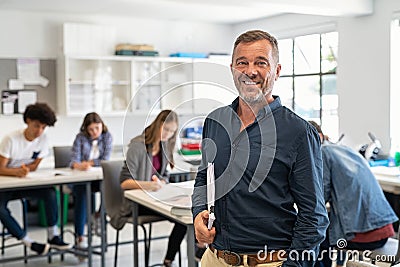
point(239, 259)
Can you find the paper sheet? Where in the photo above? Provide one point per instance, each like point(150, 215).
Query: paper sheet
point(210, 194)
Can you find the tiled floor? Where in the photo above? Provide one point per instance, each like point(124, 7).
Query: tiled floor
point(125, 252)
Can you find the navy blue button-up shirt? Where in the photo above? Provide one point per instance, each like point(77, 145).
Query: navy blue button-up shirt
point(262, 173)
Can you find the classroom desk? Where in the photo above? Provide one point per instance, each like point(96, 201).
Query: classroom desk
point(388, 178)
point(58, 177)
point(140, 197)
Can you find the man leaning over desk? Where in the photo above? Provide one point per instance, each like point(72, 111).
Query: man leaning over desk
point(266, 160)
point(20, 153)
point(360, 213)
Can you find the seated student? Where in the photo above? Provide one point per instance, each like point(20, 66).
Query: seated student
point(359, 211)
point(20, 153)
point(145, 167)
point(91, 145)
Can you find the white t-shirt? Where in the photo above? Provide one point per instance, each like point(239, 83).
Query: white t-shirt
point(94, 152)
point(18, 150)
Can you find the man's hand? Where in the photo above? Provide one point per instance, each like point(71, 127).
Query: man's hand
point(203, 235)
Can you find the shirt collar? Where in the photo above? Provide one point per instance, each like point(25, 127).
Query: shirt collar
point(271, 107)
point(98, 139)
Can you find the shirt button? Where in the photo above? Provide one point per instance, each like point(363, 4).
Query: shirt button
point(224, 226)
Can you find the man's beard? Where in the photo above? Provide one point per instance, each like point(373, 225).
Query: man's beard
point(258, 99)
point(253, 100)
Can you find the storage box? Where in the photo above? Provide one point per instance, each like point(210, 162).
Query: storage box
point(15, 101)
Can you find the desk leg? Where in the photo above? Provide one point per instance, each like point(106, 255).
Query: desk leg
point(190, 246)
point(103, 226)
point(88, 219)
point(61, 216)
point(135, 212)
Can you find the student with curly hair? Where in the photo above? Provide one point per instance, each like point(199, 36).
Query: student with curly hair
point(20, 153)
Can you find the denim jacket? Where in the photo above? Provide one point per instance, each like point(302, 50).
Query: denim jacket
point(83, 144)
point(357, 202)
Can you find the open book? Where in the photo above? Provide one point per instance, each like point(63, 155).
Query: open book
point(177, 195)
point(181, 205)
point(179, 211)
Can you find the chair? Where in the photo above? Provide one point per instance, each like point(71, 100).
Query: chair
point(389, 253)
point(62, 156)
point(62, 159)
point(113, 198)
point(5, 235)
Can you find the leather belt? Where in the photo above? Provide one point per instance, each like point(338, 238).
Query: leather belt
point(236, 259)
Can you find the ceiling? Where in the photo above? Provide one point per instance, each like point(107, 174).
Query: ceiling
point(214, 11)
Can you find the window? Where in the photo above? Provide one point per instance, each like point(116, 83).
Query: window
point(308, 79)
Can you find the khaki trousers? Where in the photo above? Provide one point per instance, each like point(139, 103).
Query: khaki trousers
point(210, 259)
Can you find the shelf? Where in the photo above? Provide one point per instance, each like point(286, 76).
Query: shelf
point(104, 84)
point(89, 82)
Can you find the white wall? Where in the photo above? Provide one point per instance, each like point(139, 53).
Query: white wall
point(363, 66)
point(364, 57)
point(39, 34)
point(364, 74)
point(32, 34)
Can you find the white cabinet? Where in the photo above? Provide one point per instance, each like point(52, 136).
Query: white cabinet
point(213, 86)
point(114, 85)
point(162, 83)
point(89, 84)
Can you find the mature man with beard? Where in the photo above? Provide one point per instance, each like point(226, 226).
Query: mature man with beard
point(269, 204)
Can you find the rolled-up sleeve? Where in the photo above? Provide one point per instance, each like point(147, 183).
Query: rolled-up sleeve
point(107, 149)
point(76, 150)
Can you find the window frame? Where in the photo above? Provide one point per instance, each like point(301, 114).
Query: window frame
point(320, 75)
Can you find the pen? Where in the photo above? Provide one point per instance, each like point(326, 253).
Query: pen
point(159, 182)
point(156, 179)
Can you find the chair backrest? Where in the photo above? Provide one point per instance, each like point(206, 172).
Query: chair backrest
point(62, 156)
point(397, 260)
point(390, 252)
point(113, 193)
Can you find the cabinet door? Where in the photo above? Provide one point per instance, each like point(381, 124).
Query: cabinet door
point(213, 85)
point(162, 83)
point(177, 86)
point(147, 86)
point(101, 85)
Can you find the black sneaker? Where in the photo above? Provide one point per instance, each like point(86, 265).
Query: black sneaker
point(57, 243)
point(40, 249)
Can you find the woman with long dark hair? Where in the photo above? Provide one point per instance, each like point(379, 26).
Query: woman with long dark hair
point(92, 144)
